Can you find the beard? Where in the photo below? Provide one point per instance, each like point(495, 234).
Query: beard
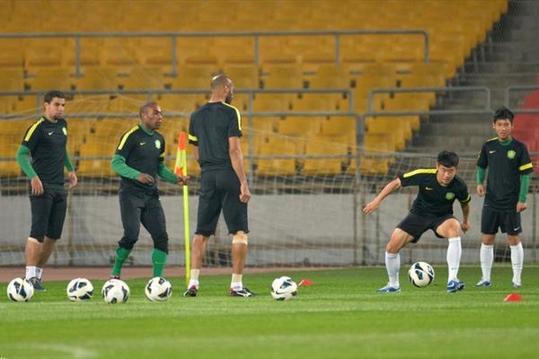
point(229, 98)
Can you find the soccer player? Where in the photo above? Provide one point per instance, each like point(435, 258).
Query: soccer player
point(214, 132)
point(139, 159)
point(42, 156)
point(509, 169)
point(432, 209)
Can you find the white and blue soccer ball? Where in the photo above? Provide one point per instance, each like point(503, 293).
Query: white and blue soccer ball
point(20, 290)
point(158, 289)
point(115, 291)
point(283, 288)
point(421, 274)
point(79, 289)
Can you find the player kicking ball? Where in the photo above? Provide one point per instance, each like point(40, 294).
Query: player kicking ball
point(432, 209)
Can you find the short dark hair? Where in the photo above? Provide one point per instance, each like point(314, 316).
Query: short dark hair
point(218, 80)
point(503, 113)
point(52, 94)
point(145, 107)
point(448, 159)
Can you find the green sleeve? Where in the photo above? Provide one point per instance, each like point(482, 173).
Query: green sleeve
point(166, 174)
point(480, 175)
point(524, 186)
point(68, 164)
point(120, 167)
point(23, 159)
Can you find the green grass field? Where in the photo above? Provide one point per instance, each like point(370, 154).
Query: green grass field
point(340, 316)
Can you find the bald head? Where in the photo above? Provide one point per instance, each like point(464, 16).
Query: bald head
point(151, 115)
point(222, 88)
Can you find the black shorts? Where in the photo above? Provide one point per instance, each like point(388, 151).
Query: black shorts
point(48, 213)
point(220, 189)
point(416, 225)
point(507, 221)
point(138, 207)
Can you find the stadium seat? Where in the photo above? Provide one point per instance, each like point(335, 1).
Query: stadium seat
point(270, 165)
point(194, 77)
point(299, 126)
point(46, 78)
point(283, 76)
point(321, 146)
point(143, 77)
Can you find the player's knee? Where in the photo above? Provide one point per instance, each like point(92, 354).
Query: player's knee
point(488, 239)
point(240, 237)
point(453, 228)
point(36, 238)
point(161, 243)
point(513, 240)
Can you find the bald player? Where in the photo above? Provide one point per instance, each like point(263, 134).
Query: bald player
point(214, 133)
point(139, 160)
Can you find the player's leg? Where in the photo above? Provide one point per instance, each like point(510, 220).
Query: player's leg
point(153, 219)
point(209, 208)
point(489, 227)
point(54, 229)
point(130, 211)
point(399, 239)
point(40, 209)
point(235, 213)
point(512, 226)
point(451, 229)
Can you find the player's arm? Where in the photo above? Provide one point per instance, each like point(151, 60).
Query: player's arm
point(525, 169)
point(480, 173)
point(464, 198)
point(166, 173)
point(72, 176)
point(23, 156)
point(193, 139)
point(386, 191)
point(236, 158)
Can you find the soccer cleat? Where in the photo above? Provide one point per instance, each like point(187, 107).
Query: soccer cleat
point(389, 289)
point(244, 292)
point(454, 286)
point(36, 283)
point(191, 292)
point(484, 283)
point(517, 285)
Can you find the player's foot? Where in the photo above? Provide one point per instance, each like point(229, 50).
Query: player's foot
point(191, 292)
point(484, 283)
point(454, 286)
point(37, 284)
point(244, 292)
point(114, 277)
point(517, 285)
point(389, 289)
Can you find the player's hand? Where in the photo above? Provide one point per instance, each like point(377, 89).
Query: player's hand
point(371, 207)
point(481, 190)
point(72, 179)
point(145, 178)
point(245, 194)
point(37, 186)
point(521, 206)
point(465, 226)
point(183, 180)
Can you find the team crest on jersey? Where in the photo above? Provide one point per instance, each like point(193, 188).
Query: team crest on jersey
point(157, 144)
point(449, 196)
point(64, 130)
point(511, 154)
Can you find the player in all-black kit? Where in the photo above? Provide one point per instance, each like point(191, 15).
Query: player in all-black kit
point(432, 209)
point(509, 167)
point(139, 159)
point(42, 156)
point(214, 132)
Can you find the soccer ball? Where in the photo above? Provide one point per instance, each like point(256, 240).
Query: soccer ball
point(115, 291)
point(158, 289)
point(79, 289)
point(283, 288)
point(20, 290)
point(421, 274)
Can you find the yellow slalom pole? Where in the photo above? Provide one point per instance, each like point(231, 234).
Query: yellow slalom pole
point(181, 169)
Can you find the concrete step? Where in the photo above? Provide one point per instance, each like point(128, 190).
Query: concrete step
point(455, 143)
point(455, 129)
point(497, 66)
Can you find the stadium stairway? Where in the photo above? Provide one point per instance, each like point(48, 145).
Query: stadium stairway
point(510, 58)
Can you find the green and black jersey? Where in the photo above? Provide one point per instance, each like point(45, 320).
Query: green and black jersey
point(433, 199)
point(46, 140)
point(210, 128)
point(139, 151)
point(506, 162)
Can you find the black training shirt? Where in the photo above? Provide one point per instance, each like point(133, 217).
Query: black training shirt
point(433, 199)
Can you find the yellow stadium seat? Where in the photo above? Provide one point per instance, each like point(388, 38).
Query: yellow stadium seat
point(299, 126)
point(51, 78)
point(11, 79)
point(180, 102)
point(95, 157)
point(272, 102)
point(194, 77)
point(273, 163)
point(97, 77)
point(283, 76)
point(331, 76)
point(317, 102)
point(325, 146)
point(243, 76)
point(143, 77)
